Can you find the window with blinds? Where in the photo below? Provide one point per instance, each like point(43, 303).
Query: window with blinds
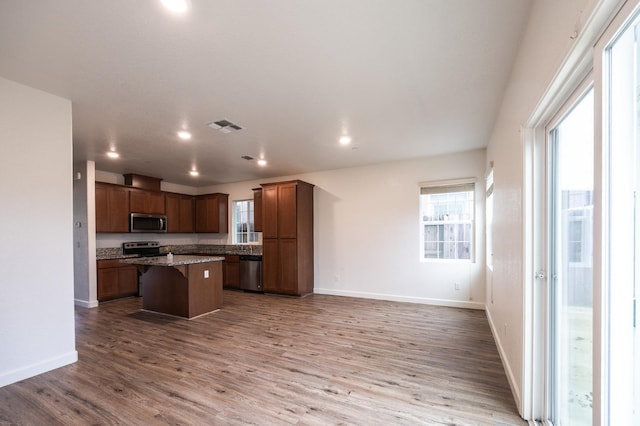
point(447, 212)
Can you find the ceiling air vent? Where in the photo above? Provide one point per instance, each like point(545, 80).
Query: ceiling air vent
point(225, 126)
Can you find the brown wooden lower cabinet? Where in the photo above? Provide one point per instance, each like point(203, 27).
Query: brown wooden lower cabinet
point(270, 281)
point(231, 271)
point(116, 280)
point(288, 260)
point(281, 268)
point(185, 291)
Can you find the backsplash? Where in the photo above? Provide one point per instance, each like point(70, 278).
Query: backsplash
point(108, 240)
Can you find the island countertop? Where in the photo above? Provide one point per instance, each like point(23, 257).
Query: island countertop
point(178, 259)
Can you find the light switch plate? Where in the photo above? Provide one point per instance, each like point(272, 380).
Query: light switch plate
point(206, 273)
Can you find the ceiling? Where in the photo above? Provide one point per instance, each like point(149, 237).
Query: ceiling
point(404, 79)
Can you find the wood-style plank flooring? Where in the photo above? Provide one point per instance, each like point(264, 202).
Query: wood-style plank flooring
point(268, 360)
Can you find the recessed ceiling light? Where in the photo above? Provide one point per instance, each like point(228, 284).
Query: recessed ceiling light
point(113, 154)
point(194, 173)
point(262, 162)
point(177, 6)
point(345, 140)
point(184, 135)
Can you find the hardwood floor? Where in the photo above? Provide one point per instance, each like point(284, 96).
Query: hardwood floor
point(273, 360)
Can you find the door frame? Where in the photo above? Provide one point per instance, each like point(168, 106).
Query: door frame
point(548, 250)
point(577, 64)
point(536, 261)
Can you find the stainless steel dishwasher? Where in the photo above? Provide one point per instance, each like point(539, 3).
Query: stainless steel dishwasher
point(251, 272)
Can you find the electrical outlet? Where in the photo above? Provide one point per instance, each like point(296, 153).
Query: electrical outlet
point(456, 286)
point(206, 273)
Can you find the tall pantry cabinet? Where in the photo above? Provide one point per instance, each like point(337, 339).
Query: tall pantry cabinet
point(287, 237)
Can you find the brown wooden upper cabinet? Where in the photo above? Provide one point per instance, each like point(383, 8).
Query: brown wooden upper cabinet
point(288, 209)
point(211, 213)
point(179, 211)
point(112, 208)
point(185, 213)
point(143, 201)
point(280, 209)
point(287, 232)
point(270, 211)
point(257, 209)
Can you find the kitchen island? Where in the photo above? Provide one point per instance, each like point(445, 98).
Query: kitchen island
point(185, 286)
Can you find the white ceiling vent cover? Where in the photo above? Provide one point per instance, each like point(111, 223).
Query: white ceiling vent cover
point(225, 126)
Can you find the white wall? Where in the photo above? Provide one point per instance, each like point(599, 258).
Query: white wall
point(36, 291)
point(367, 233)
point(546, 43)
point(84, 231)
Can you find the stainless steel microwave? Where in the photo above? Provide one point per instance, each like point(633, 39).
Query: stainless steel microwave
point(148, 222)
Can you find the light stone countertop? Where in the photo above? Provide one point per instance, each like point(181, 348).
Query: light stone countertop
point(116, 256)
point(187, 249)
point(178, 259)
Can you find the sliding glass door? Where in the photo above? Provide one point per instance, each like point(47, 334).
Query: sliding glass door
point(584, 346)
point(570, 251)
point(622, 224)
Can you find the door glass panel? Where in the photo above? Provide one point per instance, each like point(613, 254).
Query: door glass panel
point(622, 252)
point(571, 266)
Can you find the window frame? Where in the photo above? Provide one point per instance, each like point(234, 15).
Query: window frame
point(488, 219)
point(252, 235)
point(442, 187)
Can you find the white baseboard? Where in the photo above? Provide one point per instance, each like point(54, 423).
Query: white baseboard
point(507, 367)
point(8, 377)
point(395, 298)
point(86, 303)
